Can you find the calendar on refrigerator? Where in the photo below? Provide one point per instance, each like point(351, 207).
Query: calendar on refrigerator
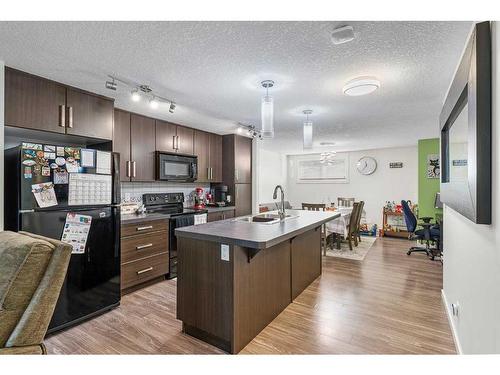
point(89, 189)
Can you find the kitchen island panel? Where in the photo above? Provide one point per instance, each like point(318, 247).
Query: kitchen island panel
point(261, 290)
point(305, 260)
point(205, 291)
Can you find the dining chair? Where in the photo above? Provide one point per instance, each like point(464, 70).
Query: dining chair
point(345, 202)
point(318, 207)
point(358, 224)
point(351, 228)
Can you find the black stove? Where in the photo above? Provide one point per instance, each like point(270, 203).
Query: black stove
point(168, 203)
point(172, 204)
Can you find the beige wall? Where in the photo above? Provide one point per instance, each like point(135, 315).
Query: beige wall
point(1, 140)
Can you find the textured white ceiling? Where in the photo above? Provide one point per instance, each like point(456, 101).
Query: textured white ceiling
point(213, 70)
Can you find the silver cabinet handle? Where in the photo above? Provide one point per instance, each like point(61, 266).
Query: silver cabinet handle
point(70, 117)
point(173, 141)
point(145, 270)
point(62, 116)
point(133, 169)
point(177, 146)
point(208, 173)
point(140, 247)
point(211, 173)
point(144, 228)
point(128, 168)
point(236, 175)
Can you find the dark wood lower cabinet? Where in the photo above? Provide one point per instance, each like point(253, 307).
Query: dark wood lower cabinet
point(220, 215)
point(144, 254)
point(227, 303)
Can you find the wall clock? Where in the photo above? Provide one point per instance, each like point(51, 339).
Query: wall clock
point(366, 165)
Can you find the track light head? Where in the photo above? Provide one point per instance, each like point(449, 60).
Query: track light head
point(135, 95)
point(153, 103)
point(171, 109)
point(111, 85)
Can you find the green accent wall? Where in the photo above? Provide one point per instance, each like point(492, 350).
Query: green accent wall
point(427, 187)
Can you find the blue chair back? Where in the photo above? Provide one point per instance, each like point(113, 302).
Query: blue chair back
point(410, 219)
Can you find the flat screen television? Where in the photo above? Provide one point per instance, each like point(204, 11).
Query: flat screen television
point(466, 132)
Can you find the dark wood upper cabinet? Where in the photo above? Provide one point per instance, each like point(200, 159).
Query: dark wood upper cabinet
point(121, 142)
point(142, 148)
point(215, 147)
point(185, 140)
point(33, 102)
point(174, 138)
point(202, 151)
point(41, 104)
point(243, 159)
point(165, 136)
point(237, 156)
point(88, 115)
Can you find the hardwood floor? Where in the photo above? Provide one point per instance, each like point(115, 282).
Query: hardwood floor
point(390, 303)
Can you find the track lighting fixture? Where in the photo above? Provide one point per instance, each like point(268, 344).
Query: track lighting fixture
point(138, 91)
point(250, 130)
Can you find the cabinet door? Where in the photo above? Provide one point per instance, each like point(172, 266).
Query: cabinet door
point(185, 140)
point(165, 136)
point(228, 214)
point(214, 216)
point(121, 142)
point(142, 133)
point(89, 115)
point(201, 149)
point(34, 103)
point(243, 159)
point(243, 199)
point(215, 159)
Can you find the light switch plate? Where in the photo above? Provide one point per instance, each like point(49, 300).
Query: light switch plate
point(224, 252)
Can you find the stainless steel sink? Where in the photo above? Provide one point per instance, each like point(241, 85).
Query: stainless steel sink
point(267, 218)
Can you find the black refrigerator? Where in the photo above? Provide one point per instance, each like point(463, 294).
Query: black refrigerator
point(85, 182)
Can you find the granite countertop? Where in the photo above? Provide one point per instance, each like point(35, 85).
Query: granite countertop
point(257, 235)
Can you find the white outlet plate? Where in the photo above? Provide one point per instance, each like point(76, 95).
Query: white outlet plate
point(224, 252)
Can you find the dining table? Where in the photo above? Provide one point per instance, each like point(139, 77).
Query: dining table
point(339, 226)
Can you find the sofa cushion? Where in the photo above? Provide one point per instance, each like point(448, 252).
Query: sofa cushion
point(23, 261)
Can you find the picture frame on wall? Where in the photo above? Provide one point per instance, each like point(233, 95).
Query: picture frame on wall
point(465, 122)
point(433, 166)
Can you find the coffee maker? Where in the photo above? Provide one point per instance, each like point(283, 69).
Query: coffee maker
point(220, 193)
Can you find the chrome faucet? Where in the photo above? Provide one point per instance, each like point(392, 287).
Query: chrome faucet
point(281, 210)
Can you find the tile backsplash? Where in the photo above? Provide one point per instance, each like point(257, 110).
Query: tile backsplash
point(132, 191)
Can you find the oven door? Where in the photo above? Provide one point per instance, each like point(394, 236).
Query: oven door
point(172, 167)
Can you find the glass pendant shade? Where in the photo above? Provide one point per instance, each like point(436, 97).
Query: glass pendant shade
point(267, 117)
point(308, 134)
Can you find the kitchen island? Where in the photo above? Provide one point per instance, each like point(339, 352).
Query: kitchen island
point(235, 276)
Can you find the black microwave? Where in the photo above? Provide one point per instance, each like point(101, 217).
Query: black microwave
point(176, 167)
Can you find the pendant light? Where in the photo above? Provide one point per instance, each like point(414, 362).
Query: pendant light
point(308, 130)
point(267, 111)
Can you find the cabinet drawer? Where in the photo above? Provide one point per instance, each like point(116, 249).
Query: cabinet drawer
point(134, 273)
point(143, 245)
point(144, 227)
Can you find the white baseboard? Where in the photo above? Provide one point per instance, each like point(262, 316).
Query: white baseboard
point(458, 347)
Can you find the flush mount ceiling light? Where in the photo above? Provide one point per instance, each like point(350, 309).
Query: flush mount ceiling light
point(361, 86)
point(308, 130)
point(267, 111)
point(342, 35)
point(140, 90)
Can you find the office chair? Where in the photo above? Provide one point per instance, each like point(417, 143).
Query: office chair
point(429, 232)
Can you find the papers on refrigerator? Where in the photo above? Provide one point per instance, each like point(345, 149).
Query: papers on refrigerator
point(76, 231)
point(103, 162)
point(87, 158)
point(44, 193)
